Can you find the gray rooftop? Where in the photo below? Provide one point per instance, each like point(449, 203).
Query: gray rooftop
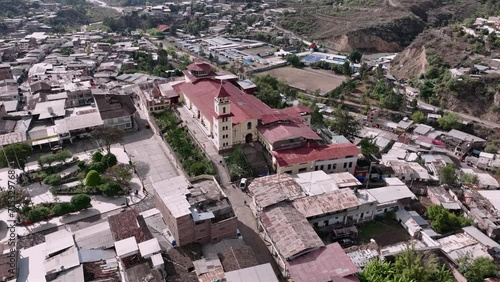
point(464, 136)
point(258, 273)
point(50, 109)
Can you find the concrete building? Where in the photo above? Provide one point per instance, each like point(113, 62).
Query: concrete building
point(484, 210)
point(5, 72)
point(195, 211)
point(439, 196)
point(156, 97)
point(79, 93)
point(460, 142)
point(116, 110)
point(390, 197)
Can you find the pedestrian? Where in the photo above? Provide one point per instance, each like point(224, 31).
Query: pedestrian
point(40, 182)
point(245, 203)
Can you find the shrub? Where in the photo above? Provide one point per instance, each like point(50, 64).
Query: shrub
point(82, 165)
point(97, 156)
point(93, 178)
point(62, 208)
point(98, 166)
point(111, 188)
point(197, 168)
point(38, 213)
point(109, 160)
point(80, 202)
point(52, 180)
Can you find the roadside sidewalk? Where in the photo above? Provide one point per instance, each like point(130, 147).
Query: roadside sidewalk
point(195, 128)
point(40, 193)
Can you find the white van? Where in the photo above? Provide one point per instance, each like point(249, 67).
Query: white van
point(243, 183)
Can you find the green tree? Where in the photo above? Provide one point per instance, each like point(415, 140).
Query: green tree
point(63, 155)
point(38, 213)
point(392, 101)
point(469, 178)
point(109, 160)
point(17, 155)
point(317, 118)
point(80, 201)
point(154, 32)
point(238, 165)
point(122, 173)
point(491, 148)
point(346, 68)
point(444, 221)
point(368, 146)
point(15, 199)
point(477, 270)
point(355, 56)
point(448, 175)
point(62, 208)
point(295, 61)
point(344, 123)
point(97, 156)
point(93, 178)
point(418, 117)
point(98, 166)
point(108, 135)
point(448, 121)
point(408, 266)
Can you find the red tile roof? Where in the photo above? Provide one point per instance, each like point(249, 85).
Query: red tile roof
point(276, 116)
point(203, 92)
point(199, 65)
point(297, 110)
point(163, 27)
point(222, 92)
point(307, 154)
point(287, 130)
point(327, 264)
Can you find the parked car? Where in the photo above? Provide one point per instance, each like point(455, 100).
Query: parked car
point(56, 149)
point(346, 243)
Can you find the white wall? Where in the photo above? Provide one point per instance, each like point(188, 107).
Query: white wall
point(350, 165)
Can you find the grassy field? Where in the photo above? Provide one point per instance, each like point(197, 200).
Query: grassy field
point(307, 79)
point(385, 232)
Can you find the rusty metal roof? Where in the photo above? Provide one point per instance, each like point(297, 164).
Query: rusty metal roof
point(270, 190)
point(290, 231)
point(326, 203)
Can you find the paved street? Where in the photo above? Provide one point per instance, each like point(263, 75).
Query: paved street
point(247, 222)
point(150, 157)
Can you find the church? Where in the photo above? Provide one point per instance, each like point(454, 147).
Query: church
point(230, 116)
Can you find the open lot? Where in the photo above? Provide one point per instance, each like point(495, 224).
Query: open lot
point(307, 79)
point(385, 232)
point(259, 50)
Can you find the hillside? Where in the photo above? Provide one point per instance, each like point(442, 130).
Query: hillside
point(374, 25)
point(430, 57)
point(16, 8)
point(125, 3)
